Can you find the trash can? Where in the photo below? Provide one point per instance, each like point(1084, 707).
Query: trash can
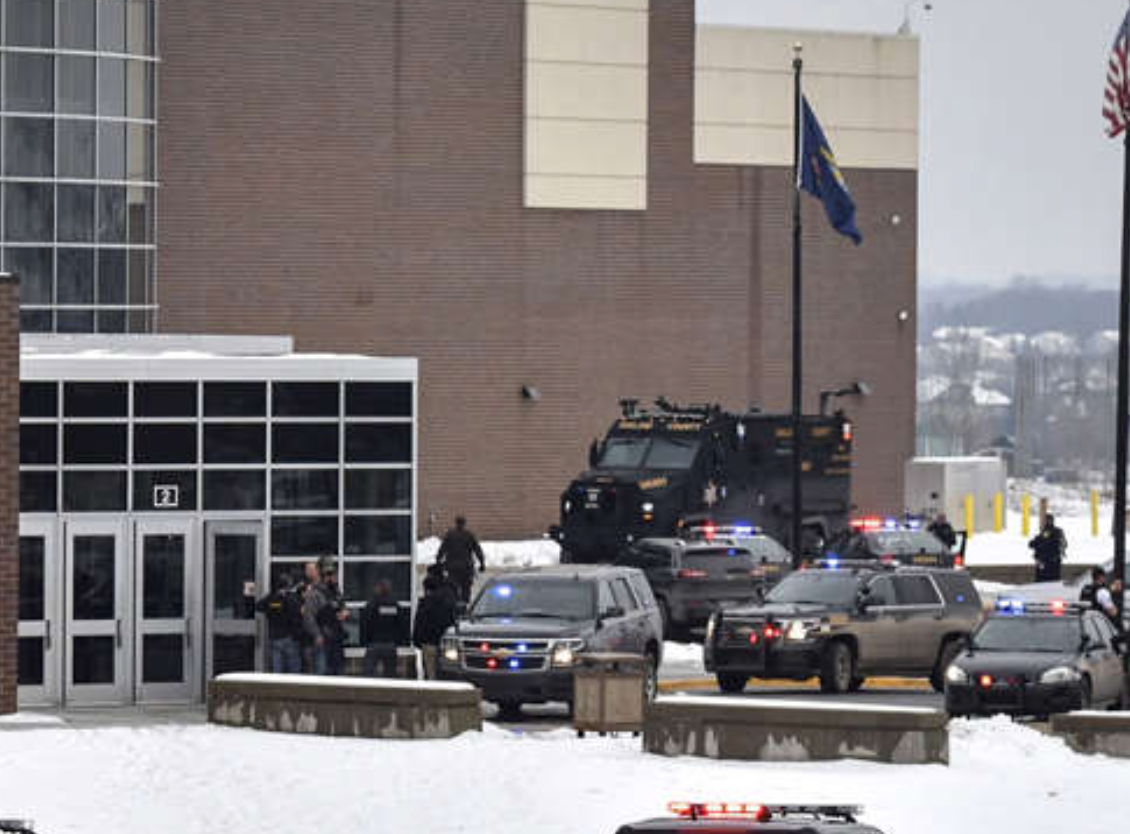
point(609, 693)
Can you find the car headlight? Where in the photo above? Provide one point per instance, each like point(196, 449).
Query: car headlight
point(1060, 674)
point(565, 652)
point(800, 629)
point(450, 646)
point(647, 507)
point(955, 674)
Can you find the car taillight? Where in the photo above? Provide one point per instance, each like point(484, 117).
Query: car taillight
point(772, 632)
point(986, 681)
point(692, 573)
point(959, 561)
point(720, 810)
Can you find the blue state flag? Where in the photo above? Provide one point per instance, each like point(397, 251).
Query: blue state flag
point(821, 177)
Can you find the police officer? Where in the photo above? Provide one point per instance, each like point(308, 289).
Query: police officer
point(1097, 595)
point(457, 556)
point(380, 632)
point(333, 617)
point(283, 610)
point(435, 614)
point(943, 531)
point(1049, 547)
point(315, 598)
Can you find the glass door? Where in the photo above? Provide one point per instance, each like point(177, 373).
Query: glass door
point(39, 634)
point(233, 578)
point(98, 633)
point(167, 651)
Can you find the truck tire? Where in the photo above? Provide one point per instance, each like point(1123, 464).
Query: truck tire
point(949, 651)
point(837, 668)
point(732, 682)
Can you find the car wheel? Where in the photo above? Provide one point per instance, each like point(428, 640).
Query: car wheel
point(946, 655)
point(510, 710)
point(732, 682)
point(837, 669)
point(1086, 693)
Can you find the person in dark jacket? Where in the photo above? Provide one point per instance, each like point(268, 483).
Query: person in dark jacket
point(457, 556)
point(435, 614)
point(315, 598)
point(283, 611)
point(380, 632)
point(1097, 594)
point(943, 531)
point(333, 620)
point(1049, 547)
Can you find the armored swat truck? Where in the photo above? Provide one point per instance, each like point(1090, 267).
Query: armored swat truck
point(661, 471)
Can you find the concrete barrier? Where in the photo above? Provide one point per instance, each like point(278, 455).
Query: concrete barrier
point(1095, 732)
point(777, 730)
point(339, 706)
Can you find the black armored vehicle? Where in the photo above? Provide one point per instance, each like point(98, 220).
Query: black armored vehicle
point(662, 470)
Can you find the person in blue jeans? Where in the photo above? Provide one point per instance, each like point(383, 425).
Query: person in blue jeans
point(316, 602)
point(283, 611)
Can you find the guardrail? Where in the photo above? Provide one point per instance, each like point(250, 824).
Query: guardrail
point(778, 730)
point(339, 706)
point(1095, 732)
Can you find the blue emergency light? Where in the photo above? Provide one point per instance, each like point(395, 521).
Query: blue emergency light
point(1010, 606)
point(503, 591)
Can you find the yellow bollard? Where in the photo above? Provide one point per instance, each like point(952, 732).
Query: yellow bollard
point(998, 513)
point(1026, 515)
point(969, 516)
point(1095, 513)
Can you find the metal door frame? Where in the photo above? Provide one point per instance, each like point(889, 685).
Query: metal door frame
point(252, 626)
point(121, 629)
point(189, 626)
point(50, 628)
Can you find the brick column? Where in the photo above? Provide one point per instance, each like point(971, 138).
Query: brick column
point(9, 486)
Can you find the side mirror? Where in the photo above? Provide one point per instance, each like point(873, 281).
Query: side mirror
point(863, 600)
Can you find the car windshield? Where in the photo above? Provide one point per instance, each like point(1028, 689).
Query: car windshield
point(648, 453)
point(1028, 634)
point(567, 599)
point(905, 542)
point(820, 587)
point(720, 562)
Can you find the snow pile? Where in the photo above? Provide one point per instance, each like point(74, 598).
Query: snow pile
point(1010, 547)
point(512, 554)
point(202, 779)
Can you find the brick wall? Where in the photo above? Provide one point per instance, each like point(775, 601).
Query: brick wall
point(351, 172)
point(9, 490)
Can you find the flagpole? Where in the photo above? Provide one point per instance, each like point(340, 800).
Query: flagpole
point(798, 342)
point(1120, 424)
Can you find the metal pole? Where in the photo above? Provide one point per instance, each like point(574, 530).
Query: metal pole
point(798, 342)
point(1120, 423)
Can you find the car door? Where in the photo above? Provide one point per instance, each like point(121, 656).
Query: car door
point(1104, 661)
point(609, 635)
point(878, 633)
point(634, 625)
point(922, 622)
point(652, 621)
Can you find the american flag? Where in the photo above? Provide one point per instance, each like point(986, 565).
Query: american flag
point(1116, 105)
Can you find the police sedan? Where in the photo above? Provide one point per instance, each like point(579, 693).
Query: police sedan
point(743, 818)
point(1038, 659)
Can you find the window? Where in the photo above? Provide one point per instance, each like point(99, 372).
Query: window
point(378, 399)
point(605, 600)
point(360, 578)
point(112, 277)
point(76, 24)
point(643, 591)
point(111, 214)
point(235, 399)
point(112, 25)
point(94, 492)
point(378, 535)
point(139, 210)
point(378, 443)
point(378, 489)
point(916, 590)
point(29, 83)
point(237, 489)
point(305, 443)
point(39, 399)
point(305, 399)
point(140, 27)
point(139, 85)
point(164, 443)
point(164, 399)
point(76, 213)
point(139, 148)
point(76, 85)
point(304, 536)
point(623, 595)
point(74, 321)
point(94, 444)
point(38, 443)
point(304, 489)
point(32, 587)
point(112, 152)
point(883, 592)
point(95, 399)
point(235, 443)
point(29, 147)
point(35, 321)
point(29, 23)
point(38, 492)
point(29, 212)
point(76, 149)
point(76, 276)
point(146, 482)
point(34, 268)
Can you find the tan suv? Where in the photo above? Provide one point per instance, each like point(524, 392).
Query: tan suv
point(844, 625)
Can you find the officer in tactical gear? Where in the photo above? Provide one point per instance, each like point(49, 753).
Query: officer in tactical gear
point(283, 610)
point(435, 614)
point(380, 632)
point(315, 601)
point(943, 531)
point(1097, 594)
point(457, 556)
point(333, 617)
point(1049, 547)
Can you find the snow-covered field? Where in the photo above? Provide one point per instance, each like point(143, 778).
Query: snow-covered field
point(203, 779)
point(504, 554)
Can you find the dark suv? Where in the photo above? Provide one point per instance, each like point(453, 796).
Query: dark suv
point(520, 640)
point(740, 818)
point(891, 543)
point(692, 579)
point(843, 625)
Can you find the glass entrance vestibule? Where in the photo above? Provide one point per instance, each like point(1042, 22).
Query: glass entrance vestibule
point(163, 489)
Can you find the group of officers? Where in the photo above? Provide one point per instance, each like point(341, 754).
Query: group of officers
point(306, 617)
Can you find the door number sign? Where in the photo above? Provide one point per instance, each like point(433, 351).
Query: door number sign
point(166, 497)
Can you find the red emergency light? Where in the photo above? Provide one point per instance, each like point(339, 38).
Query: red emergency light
point(709, 531)
point(866, 523)
point(772, 632)
point(986, 681)
point(692, 573)
point(1058, 607)
point(720, 811)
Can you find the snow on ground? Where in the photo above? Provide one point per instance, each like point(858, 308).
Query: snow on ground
point(1010, 547)
point(202, 779)
point(510, 554)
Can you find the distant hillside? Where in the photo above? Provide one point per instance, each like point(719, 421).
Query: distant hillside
point(1024, 307)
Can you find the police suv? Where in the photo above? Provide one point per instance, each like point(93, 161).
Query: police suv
point(744, 818)
point(1038, 659)
point(844, 623)
point(893, 542)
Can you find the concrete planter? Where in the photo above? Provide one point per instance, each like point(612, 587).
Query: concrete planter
point(364, 708)
point(1095, 732)
point(766, 730)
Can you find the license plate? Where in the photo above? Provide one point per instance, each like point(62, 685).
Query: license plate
point(925, 560)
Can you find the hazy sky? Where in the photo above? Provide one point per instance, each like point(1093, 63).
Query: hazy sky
point(1017, 175)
